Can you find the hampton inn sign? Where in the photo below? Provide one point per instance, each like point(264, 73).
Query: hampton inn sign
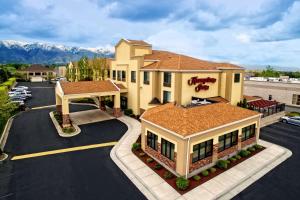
point(200, 82)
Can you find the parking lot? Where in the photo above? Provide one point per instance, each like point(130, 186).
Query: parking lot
point(91, 174)
point(283, 181)
point(42, 94)
point(86, 174)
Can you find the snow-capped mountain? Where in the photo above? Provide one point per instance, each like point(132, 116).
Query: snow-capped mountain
point(22, 52)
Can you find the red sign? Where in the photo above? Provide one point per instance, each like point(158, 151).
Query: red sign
point(200, 82)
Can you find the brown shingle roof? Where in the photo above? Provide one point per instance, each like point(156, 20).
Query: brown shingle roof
point(187, 121)
point(87, 87)
point(37, 68)
point(120, 85)
point(251, 98)
point(172, 61)
point(138, 42)
point(218, 99)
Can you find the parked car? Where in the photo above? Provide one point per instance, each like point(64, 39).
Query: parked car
point(20, 102)
point(22, 87)
point(291, 120)
point(18, 97)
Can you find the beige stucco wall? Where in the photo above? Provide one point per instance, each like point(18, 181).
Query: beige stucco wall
point(189, 90)
point(181, 145)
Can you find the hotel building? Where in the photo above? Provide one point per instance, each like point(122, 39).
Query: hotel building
point(189, 116)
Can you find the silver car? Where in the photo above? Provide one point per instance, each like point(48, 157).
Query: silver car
point(291, 120)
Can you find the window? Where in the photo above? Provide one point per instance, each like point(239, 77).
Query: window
point(146, 78)
point(167, 79)
point(114, 75)
point(108, 73)
point(167, 149)
point(296, 99)
point(123, 76)
point(133, 76)
point(31, 74)
point(237, 78)
point(202, 150)
point(37, 73)
point(228, 140)
point(119, 73)
point(166, 96)
point(152, 140)
point(248, 132)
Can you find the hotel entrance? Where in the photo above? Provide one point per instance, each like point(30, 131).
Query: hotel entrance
point(123, 103)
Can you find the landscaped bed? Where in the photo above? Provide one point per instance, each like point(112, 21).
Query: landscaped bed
point(182, 185)
point(63, 131)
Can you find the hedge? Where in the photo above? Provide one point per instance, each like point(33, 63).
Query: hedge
point(3, 89)
point(9, 83)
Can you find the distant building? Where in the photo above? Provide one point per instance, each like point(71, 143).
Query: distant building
point(285, 92)
point(61, 71)
point(37, 73)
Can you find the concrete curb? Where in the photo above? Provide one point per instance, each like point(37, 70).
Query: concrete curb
point(59, 129)
point(227, 193)
point(4, 158)
point(6, 130)
point(256, 175)
point(114, 156)
point(85, 104)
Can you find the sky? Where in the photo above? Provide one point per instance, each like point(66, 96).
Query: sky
point(252, 32)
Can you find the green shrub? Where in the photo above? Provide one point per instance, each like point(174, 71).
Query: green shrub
point(244, 153)
point(205, 173)
point(182, 183)
point(212, 170)
point(3, 90)
point(69, 129)
point(237, 157)
point(158, 166)
point(232, 159)
point(142, 154)
point(196, 178)
point(168, 175)
point(222, 164)
point(252, 149)
point(149, 160)
point(228, 161)
point(257, 146)
point(136, 146)
point(8, 84)
point(128, 112)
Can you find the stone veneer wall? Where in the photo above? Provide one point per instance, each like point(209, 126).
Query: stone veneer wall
point(199, 163)
point(248, 142)
point(228, 151)
point(160, 157)
point(66, 120)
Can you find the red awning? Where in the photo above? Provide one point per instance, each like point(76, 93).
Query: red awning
point(262, 103)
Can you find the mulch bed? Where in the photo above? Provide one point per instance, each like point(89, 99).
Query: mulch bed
point(192, 183)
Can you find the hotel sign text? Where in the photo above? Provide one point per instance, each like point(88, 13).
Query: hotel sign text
point(200, 82)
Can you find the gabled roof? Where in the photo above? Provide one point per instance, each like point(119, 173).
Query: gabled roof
point(37, 68)
point(82, 87)
point(165, 60)
point(188, 121)
point(138, 42)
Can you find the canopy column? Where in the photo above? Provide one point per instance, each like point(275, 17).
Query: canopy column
point(58, 103)
point(65, 113)
point(117, 109)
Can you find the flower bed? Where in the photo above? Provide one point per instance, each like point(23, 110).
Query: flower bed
point(63, 131)
point(189, 184)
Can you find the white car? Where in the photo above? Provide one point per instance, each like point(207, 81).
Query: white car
point(20, 102)
point(291, 120)
point(22, 87)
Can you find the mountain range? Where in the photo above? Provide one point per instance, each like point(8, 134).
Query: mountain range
point(42, 53)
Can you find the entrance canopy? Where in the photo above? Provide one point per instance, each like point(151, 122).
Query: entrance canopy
point(66, 91)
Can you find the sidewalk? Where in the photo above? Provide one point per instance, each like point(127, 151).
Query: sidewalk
point(224, 186)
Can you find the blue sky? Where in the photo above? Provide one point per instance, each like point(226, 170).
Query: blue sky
point(246, 32)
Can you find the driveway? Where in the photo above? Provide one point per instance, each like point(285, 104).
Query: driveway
point(283, 181)
point(43, 94)
point(87, 174)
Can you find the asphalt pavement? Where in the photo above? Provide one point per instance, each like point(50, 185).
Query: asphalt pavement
point(283, 181)
point(88, 174)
